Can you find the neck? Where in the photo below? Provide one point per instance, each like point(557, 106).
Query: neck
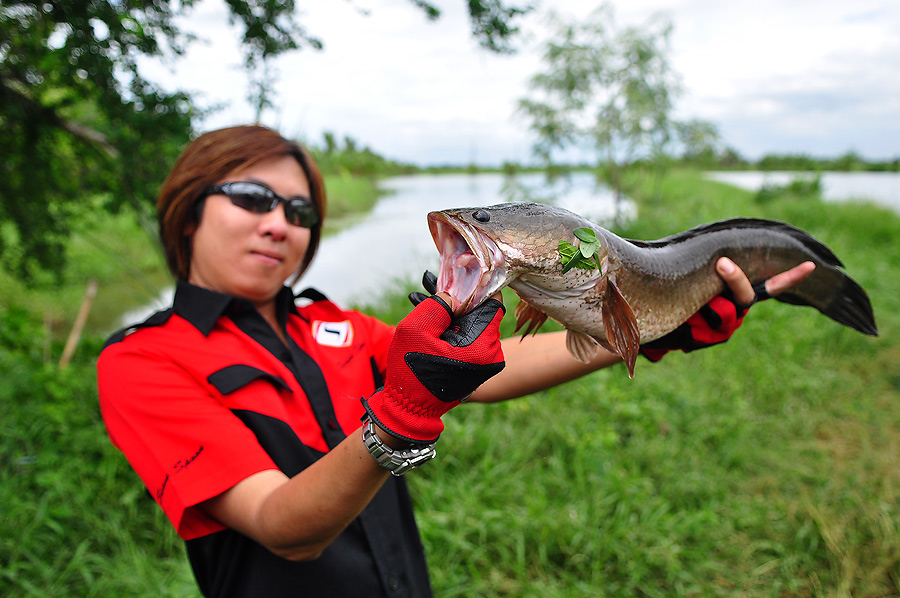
point(267, 311)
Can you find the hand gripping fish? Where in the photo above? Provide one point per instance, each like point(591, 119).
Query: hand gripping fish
point(643, 289)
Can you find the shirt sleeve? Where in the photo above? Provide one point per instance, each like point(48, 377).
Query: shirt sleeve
point(183, 443)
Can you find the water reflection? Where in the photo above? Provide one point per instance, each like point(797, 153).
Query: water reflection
point(882, 188)
point(393, 243)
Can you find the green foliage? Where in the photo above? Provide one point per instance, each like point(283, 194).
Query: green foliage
point(351, 177)
point(78, 120)
point(788, 162)
point(800, 187)
point(492, 21)
point(510, 168)
point(110, 248)
point(768, 466)
point(76, 520)
point(585, 255)
point(848, 162)
point(349, 198)
point(606, 89)
point(702, 146)
point(349, 160)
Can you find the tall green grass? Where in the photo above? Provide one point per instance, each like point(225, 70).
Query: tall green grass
point(768, 466)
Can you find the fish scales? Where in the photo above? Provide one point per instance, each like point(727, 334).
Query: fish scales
point(651, 287)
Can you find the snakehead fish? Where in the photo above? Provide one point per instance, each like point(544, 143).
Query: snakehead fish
point(643, 289)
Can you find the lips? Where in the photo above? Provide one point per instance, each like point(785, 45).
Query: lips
point(269, 256)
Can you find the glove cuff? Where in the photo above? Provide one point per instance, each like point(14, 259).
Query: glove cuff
point(653, 355)
point(404, 419)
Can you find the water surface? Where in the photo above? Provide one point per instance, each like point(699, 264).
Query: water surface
point(393, 243)
point(882, 188)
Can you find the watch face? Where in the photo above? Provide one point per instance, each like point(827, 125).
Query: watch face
point(398, 461)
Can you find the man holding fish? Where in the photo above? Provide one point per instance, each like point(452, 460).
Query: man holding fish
point(267, 426)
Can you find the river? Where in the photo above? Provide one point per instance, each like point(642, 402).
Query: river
point(392, 243)
point(882, 188)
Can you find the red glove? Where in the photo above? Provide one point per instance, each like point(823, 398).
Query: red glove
point(714, 323)
point(434, 362)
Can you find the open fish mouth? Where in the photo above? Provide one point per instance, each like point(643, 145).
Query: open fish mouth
point(473, 267)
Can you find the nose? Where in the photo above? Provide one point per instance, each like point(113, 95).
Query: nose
point(274, 223)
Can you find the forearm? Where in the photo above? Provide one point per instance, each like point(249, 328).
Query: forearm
point(535, 363)
point(297, 518)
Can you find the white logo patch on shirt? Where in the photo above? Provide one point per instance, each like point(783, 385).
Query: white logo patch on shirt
point(333, 334)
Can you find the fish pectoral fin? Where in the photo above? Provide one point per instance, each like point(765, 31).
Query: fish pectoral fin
point(621, 326)
point(583, 347)
point(525, 312)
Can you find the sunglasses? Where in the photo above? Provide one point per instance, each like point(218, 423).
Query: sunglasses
point(259, 199)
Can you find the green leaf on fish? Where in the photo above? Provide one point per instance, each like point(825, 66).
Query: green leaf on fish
point(586, 255)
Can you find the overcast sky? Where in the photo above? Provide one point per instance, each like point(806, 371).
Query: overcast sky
point(814, 76)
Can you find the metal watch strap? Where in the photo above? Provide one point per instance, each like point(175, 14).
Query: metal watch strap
point(397, 461)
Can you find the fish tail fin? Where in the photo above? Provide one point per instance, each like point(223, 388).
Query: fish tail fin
point(828, 289)
point(849, 304)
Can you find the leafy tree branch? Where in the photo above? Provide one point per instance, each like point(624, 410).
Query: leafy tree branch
point(78, 120)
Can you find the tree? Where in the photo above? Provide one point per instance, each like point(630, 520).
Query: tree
point(78, 121)
point(700, 141)
point(606, 90)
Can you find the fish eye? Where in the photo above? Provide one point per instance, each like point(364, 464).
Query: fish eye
point(481, 216)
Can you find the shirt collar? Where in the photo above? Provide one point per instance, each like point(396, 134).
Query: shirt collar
point(203, 307)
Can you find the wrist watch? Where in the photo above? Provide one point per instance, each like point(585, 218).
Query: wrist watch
point(397, 461)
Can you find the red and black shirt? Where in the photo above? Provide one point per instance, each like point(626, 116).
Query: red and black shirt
point(204, 394)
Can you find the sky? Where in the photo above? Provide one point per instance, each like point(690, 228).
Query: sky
point(818, 77)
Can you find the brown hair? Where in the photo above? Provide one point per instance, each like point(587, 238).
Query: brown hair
point(204, 162)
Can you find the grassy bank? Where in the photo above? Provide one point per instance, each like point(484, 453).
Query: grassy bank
point(768, 466)
point(129, 266)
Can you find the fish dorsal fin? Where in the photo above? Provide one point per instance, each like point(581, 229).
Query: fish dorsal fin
point(582, 346)
point(525, 312)
point(621, 326)
point(810, 243)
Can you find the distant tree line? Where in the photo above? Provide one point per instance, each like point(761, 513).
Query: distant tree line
point(728, 160)
point(346, 158)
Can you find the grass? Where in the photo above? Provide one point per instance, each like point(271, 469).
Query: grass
point(129, 265)
point(765, 467)
point(768, 466)
point(348, 198)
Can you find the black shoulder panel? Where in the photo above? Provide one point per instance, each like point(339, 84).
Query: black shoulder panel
point(312, 294)
point(157, 319)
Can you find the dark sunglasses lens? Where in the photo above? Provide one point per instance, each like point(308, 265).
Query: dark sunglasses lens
point(259, 200)
point(250, 197)
point(301, 213)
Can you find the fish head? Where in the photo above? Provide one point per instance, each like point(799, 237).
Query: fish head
point(484, 249)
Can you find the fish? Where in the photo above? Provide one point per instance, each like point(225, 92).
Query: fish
point(642, 290)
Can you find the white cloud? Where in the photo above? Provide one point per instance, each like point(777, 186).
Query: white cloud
point(814, 76)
